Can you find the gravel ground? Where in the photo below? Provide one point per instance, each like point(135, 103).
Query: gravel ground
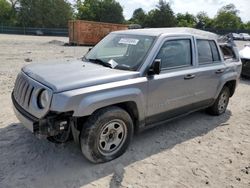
point(196, 151)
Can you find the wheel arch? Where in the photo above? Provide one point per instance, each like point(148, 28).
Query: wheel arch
point(129, 106)
point(132, 100)
point(232, 86)
point(230, 80)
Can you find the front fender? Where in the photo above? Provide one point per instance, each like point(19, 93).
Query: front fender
point(93, 102)
point(84, 101)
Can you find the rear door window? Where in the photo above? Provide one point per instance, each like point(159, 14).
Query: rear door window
point(215, 52)
point(207, 52)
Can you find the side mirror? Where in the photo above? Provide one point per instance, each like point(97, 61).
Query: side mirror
point(155, 67)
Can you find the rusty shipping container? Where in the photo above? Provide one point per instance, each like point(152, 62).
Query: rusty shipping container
point(90, 33)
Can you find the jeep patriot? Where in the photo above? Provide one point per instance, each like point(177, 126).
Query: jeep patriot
point(128, 82)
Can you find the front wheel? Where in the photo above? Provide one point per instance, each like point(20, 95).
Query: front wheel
point(221, 103)
point(106, 134)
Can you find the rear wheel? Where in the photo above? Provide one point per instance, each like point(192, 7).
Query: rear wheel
point(106, 134)
point(221, 103)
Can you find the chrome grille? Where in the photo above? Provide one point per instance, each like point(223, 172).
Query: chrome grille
point(23, 91)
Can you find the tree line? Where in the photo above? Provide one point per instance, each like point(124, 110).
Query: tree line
point(56, 13)
point(227, 17)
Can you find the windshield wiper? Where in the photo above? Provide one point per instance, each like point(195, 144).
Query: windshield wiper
point(101, 62)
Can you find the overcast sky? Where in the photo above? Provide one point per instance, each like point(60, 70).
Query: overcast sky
point(191, 6)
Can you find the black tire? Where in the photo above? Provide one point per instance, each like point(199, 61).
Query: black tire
point(107, 129)
point(220, 105)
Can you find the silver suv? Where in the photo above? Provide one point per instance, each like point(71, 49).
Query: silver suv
point(130, 81)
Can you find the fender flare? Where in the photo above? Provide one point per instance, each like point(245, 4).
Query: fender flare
point(225, 79)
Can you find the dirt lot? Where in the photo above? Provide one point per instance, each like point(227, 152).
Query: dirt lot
point(195, 151)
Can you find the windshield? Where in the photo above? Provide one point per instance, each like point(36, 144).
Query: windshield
point(121, 51)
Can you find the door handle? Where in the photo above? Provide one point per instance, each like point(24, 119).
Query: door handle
point(219, 71)
point(189, 76)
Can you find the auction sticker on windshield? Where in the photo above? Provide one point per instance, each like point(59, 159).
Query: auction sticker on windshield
point(112, 63)
point(128, 41)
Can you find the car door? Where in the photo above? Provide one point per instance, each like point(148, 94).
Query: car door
point(173, 91)
point(211, 69)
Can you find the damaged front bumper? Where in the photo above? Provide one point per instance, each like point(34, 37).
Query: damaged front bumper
point(51, 125)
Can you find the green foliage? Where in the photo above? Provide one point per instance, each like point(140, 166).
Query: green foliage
point(138, 17)
point(186, 20)
point(230, 8)
point(56, 13)
point(203, 21)
point(100, 10)
point(45, 13)
point(5, 11)
point(227, 18)
point(87, 10)
point(162, 16)
point(247, 26)
point(111, 11)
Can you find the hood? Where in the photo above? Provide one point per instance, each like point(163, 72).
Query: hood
point(66, 75)
point(245, 53)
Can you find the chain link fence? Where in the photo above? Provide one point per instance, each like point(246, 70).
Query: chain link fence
point(64, 31)
point(34, 31)
point(226, 31)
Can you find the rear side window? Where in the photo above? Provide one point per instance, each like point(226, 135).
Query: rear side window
point(228, 52)
point(207, 52)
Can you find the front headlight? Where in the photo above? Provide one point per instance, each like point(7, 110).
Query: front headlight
point(43, 99)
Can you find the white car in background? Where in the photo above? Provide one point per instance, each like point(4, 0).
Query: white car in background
point(235, 36)
point(245, 36)
point(245, 58)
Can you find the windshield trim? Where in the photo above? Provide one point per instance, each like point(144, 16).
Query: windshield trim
point(147, 54)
